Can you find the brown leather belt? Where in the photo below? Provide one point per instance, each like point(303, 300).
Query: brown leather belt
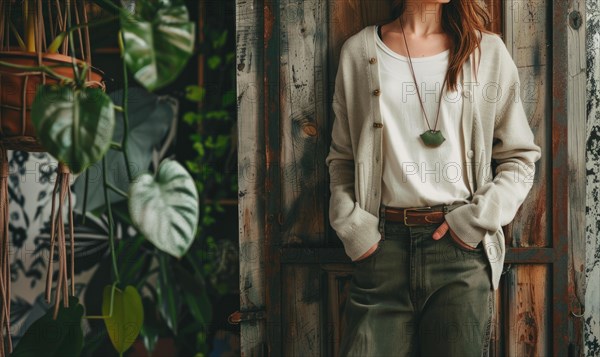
point(417, 216)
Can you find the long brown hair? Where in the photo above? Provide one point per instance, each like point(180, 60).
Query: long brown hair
point(461, 20)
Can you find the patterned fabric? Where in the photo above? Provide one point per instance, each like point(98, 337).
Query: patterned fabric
point(31, 181)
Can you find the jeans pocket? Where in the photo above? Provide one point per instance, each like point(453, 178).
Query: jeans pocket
point(460, 244)
point(372, 255)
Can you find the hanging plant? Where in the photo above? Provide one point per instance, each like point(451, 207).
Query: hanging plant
point(124, 316)
point(60, 107)
point(75, 125)
point(158, 41)
point(53, 334)
point(165, 208)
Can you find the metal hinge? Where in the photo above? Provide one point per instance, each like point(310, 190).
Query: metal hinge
point(249, 315)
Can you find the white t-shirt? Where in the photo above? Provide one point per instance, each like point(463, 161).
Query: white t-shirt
point(415, 175)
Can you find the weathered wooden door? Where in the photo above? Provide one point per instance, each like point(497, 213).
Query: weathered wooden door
point(294, 273)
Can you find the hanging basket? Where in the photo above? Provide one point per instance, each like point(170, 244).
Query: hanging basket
point(18, 89)
point(43, 44)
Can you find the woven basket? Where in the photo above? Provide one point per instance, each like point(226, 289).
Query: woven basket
point(18, 89)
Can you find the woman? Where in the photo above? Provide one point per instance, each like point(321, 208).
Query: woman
point(424, 105)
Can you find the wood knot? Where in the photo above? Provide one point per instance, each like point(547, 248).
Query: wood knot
point(310, 129)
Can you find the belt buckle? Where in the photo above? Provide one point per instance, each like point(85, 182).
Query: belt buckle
point(427, 208)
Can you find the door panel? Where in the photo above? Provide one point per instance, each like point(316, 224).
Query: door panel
point(294, 272)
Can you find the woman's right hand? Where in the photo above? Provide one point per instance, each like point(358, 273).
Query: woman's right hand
point(368, 252)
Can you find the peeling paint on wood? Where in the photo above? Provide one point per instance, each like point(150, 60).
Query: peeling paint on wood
point(592, 247)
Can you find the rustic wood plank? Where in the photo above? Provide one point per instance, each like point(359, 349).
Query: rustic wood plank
point(560, 179)
point(347, 18)
point(497, 338)
point(251, 163)
point(529, 306)
point(303, 107)
point(526, 39)
point(301, 323)
point(529, 42)
point(591, 344)
point(527, 20)
point(530, 226)
point(272, 144)
point(576, 104)
point(338, 284)
point(494, 8)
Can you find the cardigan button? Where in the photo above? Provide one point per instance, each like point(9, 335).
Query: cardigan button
point(378, 125)
point(373, 60)
point(467, 93)
point(470, 154)
point(377, 92)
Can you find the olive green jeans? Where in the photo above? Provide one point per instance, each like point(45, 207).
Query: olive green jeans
point(416, 296)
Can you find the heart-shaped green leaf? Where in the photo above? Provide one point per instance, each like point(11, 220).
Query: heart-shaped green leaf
point(74, 125)
point(48, 337)
point(165, 208)
point(150, 117)
point(158, 40)
point(127, 317)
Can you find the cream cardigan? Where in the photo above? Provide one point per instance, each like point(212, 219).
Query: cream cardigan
point(494, 126)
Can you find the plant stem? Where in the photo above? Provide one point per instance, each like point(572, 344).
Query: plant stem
point(85, 195)
point(113, 288)
point(72, 47)
point(125, 118)
point(93, 24)
point(111, 234)
point(117, 190)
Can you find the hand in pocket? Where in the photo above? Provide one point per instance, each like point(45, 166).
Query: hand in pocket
point(441, 231)
point(368, 252)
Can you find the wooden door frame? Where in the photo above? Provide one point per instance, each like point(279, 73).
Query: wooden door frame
point(258, 172)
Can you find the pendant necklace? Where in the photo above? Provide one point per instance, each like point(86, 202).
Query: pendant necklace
point(431, 137)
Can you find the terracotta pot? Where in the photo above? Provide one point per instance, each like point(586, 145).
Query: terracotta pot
point(17, 92)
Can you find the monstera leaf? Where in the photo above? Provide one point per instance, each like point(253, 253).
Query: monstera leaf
point(158, 41)
point(48, 337)
point(150, 117)
point(125, 322)
point(74, 125)
point(165, 208)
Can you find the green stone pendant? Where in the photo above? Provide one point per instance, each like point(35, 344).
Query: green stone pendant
point(432, 138)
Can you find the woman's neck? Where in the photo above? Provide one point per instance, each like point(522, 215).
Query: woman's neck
point(422, 18)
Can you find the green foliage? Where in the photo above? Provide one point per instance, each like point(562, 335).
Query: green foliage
point(165, 208)
point(62, 337)
point(150, 118)
point(169, 298)
point(158, 41)
point(208, 268)
point(74, 125)
point(77, 126)
point(124, 318)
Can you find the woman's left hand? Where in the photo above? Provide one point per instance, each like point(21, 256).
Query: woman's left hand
point(441, 231)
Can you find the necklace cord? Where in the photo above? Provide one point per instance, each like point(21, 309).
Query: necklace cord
point(417, 86)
